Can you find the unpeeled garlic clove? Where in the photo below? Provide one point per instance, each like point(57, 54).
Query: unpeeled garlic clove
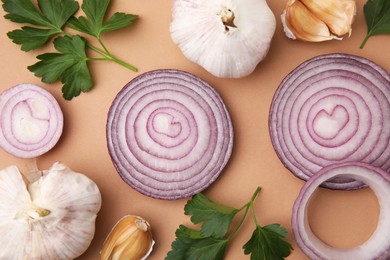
point(317, 20)
point(131, 238)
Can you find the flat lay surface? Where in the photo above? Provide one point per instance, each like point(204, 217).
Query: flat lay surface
point(339, 218)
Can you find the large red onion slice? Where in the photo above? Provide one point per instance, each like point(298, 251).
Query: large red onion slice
point(331, 109)
point(377, 246)
point(31, 121)
point(169, 134)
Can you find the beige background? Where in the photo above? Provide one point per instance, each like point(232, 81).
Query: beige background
point(342, 219)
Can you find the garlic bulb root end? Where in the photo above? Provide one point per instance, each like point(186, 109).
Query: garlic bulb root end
point(227, 18)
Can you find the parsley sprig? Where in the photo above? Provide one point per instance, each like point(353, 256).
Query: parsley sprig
point(377, 14)
point(210, 242)
point(47, 21)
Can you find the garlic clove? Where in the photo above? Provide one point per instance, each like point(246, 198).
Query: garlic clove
point(131, 238)
point(306, 25)
point(53, 219)
point(14, 198)
point(338, 15)
point(317, 20)
point(228, 38)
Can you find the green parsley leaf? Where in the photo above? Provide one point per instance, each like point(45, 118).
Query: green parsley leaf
point(191, 245)
point(377, 14)
point(58, 12)
point(23, 11)
point(68, 65)
point(51, 17)
point(45, 20)
point(268, 243)
point(216, 217)
point(118, 21)
point(210, 242)
point(51, 13)
point(94, 23)
point(31, 38)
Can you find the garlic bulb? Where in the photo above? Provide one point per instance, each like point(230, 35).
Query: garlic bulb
point(131, 238)
point(226, 37)
point(318, 20)
point(51, 218)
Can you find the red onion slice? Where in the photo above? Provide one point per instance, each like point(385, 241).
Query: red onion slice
point(31, 121)
point(331, 109)
point(169, 134)
point(377, 246)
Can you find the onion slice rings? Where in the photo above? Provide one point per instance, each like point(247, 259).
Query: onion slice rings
point(169, 134)
point(31, 121)
point(333, 108)
point(377, 246)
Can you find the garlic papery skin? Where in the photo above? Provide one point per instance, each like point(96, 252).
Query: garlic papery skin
point(52, 218)
point(130, 239)
point(228, 38)
point(318, 20)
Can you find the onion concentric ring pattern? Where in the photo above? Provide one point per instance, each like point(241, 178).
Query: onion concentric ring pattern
point(31, 121)
point(169, 134)
point(333, 108)
point(377, 246)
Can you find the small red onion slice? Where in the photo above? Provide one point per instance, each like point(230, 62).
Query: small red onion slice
point(169, 134)
point(31, 121)
point(377, 246)
point(331, 109)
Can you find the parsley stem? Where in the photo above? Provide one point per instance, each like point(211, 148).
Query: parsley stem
point(248, 206)
point(97, 59)
point(254, 216)
point(364, 41)
point(124, 64)
point(251, 205)
point(255, 194)
point(104, 46)
point(108, 56)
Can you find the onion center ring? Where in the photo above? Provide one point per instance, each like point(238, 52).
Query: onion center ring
point(377, 246)
point(169, 134)
point(31, 121)
point(333, 108)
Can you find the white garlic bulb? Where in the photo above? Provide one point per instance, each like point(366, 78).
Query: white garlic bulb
point(51, 218)
point(226, 37)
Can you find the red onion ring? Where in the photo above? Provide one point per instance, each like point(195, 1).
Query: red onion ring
point(377, 246)
point(331, 109)
point(169, 134)
point(31, 121)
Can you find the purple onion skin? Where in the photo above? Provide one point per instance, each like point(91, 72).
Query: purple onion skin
point(360, 90)
point(378, 178)
point(169, 134)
